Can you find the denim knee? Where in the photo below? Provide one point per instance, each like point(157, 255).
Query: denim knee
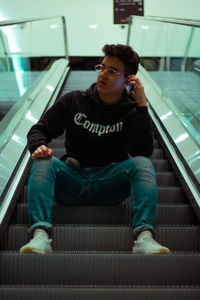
point(141, 163)
point(44, 166)
point(47, 162)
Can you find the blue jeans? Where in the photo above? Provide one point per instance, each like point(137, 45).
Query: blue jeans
point(53, 179)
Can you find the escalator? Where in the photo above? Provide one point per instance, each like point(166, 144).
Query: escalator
point(92, 256)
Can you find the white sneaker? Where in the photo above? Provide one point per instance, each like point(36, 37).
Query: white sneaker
point(147, 245)
point(39, 244)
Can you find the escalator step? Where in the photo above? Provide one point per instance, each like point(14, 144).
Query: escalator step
point(158, 154)
point(100, 269)
point(106, 238)
point(166, 179)
point(161, 165)
point(171, 194)
point(99, 293)
point(112, 214)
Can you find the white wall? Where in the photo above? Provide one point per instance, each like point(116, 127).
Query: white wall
point(81, 14)
point(186, 9)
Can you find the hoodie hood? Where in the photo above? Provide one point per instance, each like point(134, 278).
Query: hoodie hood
point(93, 93)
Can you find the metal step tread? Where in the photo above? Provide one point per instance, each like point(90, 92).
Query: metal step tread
point(98, 292)
point(107, 287)
point(161, 165)
point(172, 214)
point(105, 238)
point(166, 179)
point(104, 269)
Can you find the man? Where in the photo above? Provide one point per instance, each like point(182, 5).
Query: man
point(108, 142)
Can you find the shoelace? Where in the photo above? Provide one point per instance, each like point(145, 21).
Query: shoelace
point(39, 237)
point(146, 241)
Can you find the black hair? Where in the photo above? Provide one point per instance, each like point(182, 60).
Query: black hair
point(125, 54)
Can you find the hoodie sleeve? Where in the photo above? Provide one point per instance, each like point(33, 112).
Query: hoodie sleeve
point(51, 125)
point(139, 134)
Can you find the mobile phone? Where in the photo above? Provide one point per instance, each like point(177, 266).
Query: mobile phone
point(130, 88)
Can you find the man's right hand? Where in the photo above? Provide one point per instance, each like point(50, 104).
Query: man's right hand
point(42, 152)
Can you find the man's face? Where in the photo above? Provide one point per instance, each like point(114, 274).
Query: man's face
point(109, 82)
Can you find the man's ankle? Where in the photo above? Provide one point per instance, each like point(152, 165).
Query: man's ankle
point(144, 233)
point(42, 232)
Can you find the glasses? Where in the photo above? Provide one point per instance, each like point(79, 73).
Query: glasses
point(109, 70)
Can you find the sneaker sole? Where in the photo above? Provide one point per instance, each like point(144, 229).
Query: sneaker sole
point(161, 251)
point(31, 250)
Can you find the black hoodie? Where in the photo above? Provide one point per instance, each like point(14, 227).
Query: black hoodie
point(95, 134)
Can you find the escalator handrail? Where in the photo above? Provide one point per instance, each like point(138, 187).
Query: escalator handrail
point(22, 21)
point(178, 21)
point(17, 141)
